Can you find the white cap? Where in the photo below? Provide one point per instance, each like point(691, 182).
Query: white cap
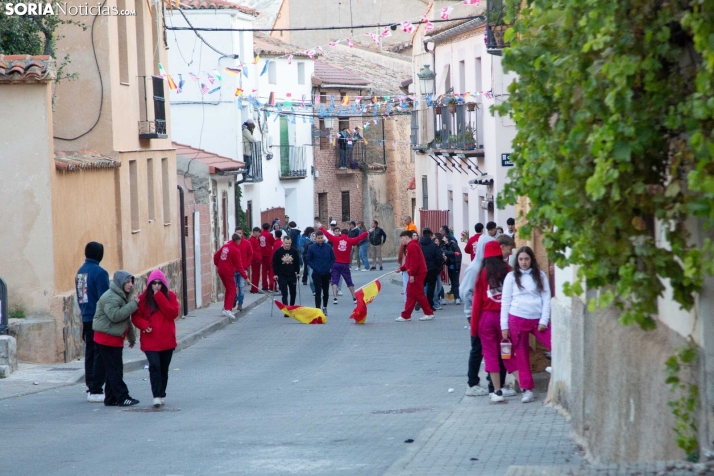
point(333, 222)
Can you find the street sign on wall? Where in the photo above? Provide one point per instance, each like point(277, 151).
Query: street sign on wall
point(506, 160)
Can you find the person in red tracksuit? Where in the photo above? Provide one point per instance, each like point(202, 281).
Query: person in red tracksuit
point(227, 260)
point(266, 251)
point(156, 319)
point(246, 257)
point(415, 267)
point(257, 260)
point(342, 245)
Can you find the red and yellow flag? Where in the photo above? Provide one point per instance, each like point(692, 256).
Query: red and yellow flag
point(303, 314)
point(172, 83)
point(346, 101)
point(365, 296)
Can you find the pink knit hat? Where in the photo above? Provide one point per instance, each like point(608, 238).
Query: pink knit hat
point(157, 274)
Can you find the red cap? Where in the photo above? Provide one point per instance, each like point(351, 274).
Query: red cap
point(492, 249)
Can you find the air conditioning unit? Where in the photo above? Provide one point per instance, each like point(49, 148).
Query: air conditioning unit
point(487, 202)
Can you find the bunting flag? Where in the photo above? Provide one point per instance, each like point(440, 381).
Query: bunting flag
point(217, 75)
point(245, 72)
point(445, 12)
point(471, 2)
point(210, 78)
point(233, 71)
point(271, 99)
point(162, 73)
point(172, 84)
point(428, 26)
point(364, 296)
point(345, 100)
point(180, 84)
point(204, 89)
point(319, 48)
point(290, 59)
point(288, 100)
point(350, 44)
point(194, 77)
point(407, 26)
point(374, 99)
point(303, 314)
point(303, 102)
point(265, 68)
point(385, 33)
point(374, 37)
point(239, 92)
point(256, 59)
point(214, 90)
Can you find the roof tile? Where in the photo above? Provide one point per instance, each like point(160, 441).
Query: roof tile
point(328, 74)
point(216, 4)
point(74, 161)
point(216, 163)
point(26, 68)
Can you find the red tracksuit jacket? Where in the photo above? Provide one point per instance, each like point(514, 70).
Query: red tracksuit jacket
point(266, 241)
point(342, 245)
point(414, 263)
point(227, 260)
point(246, 252)
point(257, 253)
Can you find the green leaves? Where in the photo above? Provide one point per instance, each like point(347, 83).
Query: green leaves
point(614, 133)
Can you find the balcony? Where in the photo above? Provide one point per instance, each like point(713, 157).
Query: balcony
point(455, 128)
point(153, 87)
point(495, 27)
point(293, 162)
point(255, 173)
point(357, 155)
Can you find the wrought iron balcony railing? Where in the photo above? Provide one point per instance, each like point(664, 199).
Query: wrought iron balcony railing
point(293, 161)
point(255, 167)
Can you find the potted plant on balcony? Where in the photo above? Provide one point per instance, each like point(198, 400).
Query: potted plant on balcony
point(452, 141)
point(470, 140)
point(452, 105)
point(437, 140)
point(471, 106)
point(437, 108)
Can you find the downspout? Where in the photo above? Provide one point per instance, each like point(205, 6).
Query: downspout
point(184, 278)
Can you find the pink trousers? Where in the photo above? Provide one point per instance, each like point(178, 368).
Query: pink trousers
point(489, 331)
point(520, 328)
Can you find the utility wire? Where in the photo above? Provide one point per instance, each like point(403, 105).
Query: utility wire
point(393, 26)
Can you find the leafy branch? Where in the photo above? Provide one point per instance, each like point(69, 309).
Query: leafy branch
point(684, 408)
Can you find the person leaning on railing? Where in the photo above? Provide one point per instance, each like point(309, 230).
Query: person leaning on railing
point(248, 139)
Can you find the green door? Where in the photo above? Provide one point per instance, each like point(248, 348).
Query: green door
point(284, 147)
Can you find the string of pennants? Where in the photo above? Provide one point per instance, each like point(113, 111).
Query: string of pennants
point(210, 82)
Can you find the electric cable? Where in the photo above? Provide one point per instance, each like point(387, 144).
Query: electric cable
point(101, 83)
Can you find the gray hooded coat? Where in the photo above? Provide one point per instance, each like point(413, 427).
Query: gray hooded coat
point(114, 309)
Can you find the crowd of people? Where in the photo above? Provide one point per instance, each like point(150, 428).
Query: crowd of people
point(506, 297)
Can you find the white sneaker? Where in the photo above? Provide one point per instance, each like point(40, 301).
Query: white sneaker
point(163, 401)
point(401, 319)
point(334, 301)
point(339, 293)
point(157, 402)
point(527, 396)
point(356, 268)
point(95, 397)
point(476, 391)
point(438, 307)
point(458, 301)
point(228, 314)
point(495, 397)
point(365, 270)
point(426, 318)
point(508, 392)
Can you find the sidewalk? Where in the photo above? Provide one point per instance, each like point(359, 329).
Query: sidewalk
point(647, 468)
point(200, 323)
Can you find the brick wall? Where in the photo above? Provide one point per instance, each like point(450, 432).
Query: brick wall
point(206, 253)
point(267, 216)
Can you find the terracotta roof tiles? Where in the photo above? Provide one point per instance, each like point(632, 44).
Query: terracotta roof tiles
point(26, 68)
point(216, 163)
point(217, 5)
point(266, 45)
point(327, 74)
point(74, 161)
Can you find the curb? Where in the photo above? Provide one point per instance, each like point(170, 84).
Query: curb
point(184, 342)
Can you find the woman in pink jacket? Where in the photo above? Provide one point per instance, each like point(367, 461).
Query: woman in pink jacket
point(155, 318)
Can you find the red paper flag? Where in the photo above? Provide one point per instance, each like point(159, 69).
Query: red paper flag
point(364, 297)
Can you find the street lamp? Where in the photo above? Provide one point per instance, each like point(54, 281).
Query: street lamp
point(426, 78)
point(329, 122)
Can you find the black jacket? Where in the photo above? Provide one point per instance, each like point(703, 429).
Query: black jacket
point(432, 254)
point(354, 232)
point(286, 262)
point(453, 254)
point(377, 237)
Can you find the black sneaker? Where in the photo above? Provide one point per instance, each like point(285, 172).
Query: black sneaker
point(373, 268)
point(354, 300)
point(128, 402)
point(381, 269)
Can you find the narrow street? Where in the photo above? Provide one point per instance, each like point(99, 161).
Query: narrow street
point(267, 395)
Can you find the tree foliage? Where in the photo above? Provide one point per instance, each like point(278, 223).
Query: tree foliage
point(28, 34)
point(614, 107)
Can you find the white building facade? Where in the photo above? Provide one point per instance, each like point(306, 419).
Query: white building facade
point(463, 150)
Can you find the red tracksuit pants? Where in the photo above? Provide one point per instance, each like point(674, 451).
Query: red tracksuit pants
point(255, 276)
point(415, 294)
point(229, 282)
point(267, 272)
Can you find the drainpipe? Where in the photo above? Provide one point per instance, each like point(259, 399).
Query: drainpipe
point(184, 278)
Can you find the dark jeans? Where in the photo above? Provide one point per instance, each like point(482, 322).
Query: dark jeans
point(475, 359)
point(93, 364)
point(454, 278)
point(322, 286)
point(248, 159)
point(430, 283)
point(159, 363)
point(115, 390)
point(286, 283)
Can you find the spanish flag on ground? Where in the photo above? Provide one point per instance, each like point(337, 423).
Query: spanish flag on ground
point(303, 314)
point(364, 296)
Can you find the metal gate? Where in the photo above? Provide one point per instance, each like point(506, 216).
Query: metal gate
point(433, 219)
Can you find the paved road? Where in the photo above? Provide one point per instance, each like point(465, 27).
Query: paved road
point(270, 396)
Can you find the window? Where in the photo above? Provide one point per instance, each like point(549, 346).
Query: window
point(122, 40)
point(301, 72)
point(344, 122)
point(272, 72)
point(134, 195)
point(345, 206)
point(322, 207)
point(462, 76)
point(150, 188)
point(166, 190)
point(324, 136)
point(424, 193)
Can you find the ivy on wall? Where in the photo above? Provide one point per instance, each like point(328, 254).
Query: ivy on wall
point(614, 106)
